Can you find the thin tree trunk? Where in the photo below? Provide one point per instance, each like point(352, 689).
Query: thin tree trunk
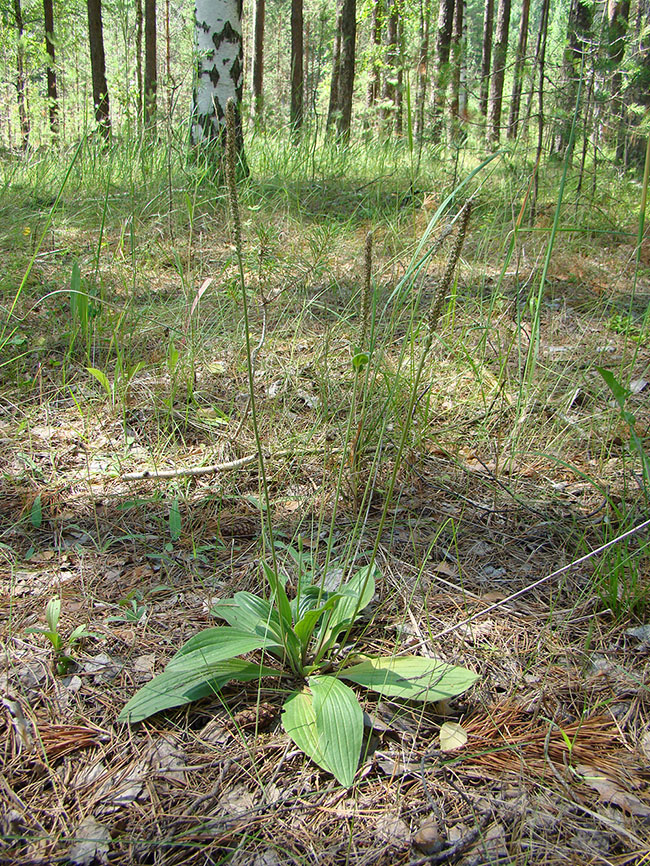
point(498, 73)
point(618, 13)
point(21, 81)
point(486, 55)
point(456, 56)
point(297, 79)
point(423, 63)
point(346, 71)
point(139, 30)
point(374, 77)
point(389, 90)
point(540, 58)
point(168, 62)
point(98, 68)
point(443, 47)
point(578, 29)
point(520, 59)
point(52, 98)
point(399, 84)
point(257, 112)
point(333, 107)
point(150, 64)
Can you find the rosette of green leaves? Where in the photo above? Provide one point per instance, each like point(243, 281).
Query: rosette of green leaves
point(322, 716)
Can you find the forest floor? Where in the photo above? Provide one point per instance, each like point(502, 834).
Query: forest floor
point(508, 476)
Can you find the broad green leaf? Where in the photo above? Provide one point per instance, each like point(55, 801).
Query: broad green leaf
point(356, 594)
point(53, 612)
point(102, 379)
point(280, 593)
point(215, 645)
point(174, 521)
point(411, 678)
point(327, 724)
point(36, 512)
point(252, 614)
point(174, 688)
point(619, 392)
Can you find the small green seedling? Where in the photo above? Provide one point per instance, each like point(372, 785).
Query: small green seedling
point(131, 609)
point(308, 636)
point(62, 648)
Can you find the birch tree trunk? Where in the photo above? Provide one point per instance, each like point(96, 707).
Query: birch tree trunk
point(423, 63)
point(220, 68)
point(443, 47)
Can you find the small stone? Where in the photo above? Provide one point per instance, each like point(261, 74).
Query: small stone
point(428, 838)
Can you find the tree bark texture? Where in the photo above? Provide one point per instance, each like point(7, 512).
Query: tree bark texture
point(618, 14)
point(346, 71)
point(422, 70)
point(518, 75)
point(52, 98)
point(150, 64)
point(456, 60)
point(578, 30)
point(486, 56)
point(374, 77)
point(297, 72)
point(498, 73)
point(333, 107)
point(139, 31)
point(443, 47)
point(21, 80)
point(258, 62)
point(98, 68)
point(220, 68)
point(389, 90)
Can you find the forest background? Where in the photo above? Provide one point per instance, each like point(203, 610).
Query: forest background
point(410, 338)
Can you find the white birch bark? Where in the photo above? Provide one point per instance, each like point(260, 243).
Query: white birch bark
point(220, 66)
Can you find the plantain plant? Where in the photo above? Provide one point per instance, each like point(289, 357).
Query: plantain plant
point(300, 637)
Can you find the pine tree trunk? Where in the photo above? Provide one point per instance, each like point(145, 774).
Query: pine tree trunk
point(486, 55)
point(52, 98)
point(518, 75)
point(578, 31)
point(540, 62)
point(443, 47)
point(297, 78)
point(618, 13)
point(455, 64)
point(498, 73)
point(220, 68)
point(333, 107)
point(374, 80)
point(21, 80)
point(346, 71)
point(150, 65)
point(98, 68)
point(423, 63)
point(257, 108)
point(139, 31)
point(389, 90)
point(168, 62)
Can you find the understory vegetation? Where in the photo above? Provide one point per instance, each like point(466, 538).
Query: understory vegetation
point(405, 429)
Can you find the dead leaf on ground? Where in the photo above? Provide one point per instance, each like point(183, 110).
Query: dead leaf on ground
point(452, 736)
point(610, 792)
point(392, 830)
point(91, 844)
